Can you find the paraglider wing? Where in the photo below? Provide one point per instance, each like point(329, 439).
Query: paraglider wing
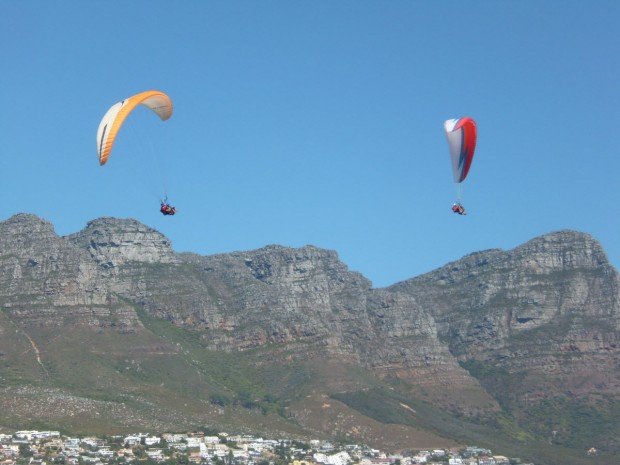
point(112, 121)
point(461, 134)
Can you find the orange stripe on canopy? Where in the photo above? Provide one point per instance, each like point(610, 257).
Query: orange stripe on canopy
point(157, 101)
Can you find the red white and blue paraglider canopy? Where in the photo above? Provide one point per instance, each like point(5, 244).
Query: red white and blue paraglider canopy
point(461, 134)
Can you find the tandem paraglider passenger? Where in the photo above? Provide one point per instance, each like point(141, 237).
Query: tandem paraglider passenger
point(458, 208)
point(167, 209)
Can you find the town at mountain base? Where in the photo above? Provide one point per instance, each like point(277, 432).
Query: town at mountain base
point(219, 448)
point(108, 330)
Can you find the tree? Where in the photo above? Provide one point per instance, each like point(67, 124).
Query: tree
point(210, 431)
point(139, 452)
point(24, 450)
point(220, 399)
point(182, 459)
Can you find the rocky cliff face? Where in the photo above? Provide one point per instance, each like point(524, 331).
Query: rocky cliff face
point(546, 312)
point(45, 279)
point(549, 308)
point(111, 243)
point(305, 299)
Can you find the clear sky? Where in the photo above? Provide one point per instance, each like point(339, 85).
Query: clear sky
point(321, 122)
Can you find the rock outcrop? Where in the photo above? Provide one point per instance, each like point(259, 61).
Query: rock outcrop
point(112, 242)
point(45, 278)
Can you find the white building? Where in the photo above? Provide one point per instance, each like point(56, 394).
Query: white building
point(151, 440)
point(93, 442)
point(257, 446)
point(155, 454)
point(132, 440)
point(9, 450)
point(71, 446)
point(170, 437)
point(240, 454)
point(47, 434)
point(88, 459)
point(178, 446)
point(194, 442)
point(341, 458)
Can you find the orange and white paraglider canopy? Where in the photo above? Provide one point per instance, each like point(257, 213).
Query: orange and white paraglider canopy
point(112, 121)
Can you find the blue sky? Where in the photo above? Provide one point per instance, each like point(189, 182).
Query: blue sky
point(318, 122)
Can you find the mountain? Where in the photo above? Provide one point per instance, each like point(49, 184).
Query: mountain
point(548, 310)
point(110, 329)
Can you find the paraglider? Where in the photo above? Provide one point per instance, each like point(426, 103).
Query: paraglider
point(115, 117)
point(458, 208)
point(461, 134)
point(166, 209)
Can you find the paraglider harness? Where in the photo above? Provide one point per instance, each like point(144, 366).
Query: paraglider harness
point(167, 209)
point(458, 208)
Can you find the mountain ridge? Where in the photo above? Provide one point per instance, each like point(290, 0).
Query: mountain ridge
point(292, 333)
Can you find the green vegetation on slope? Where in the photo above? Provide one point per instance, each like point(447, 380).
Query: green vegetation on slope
point(577, 424)
point(499, 432)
